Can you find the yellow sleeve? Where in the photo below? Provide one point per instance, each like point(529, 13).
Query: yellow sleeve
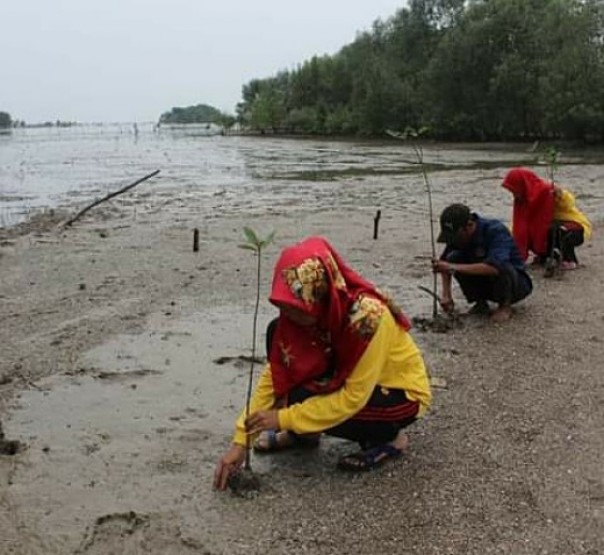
point(567, 211)
point(262, 399)
point(322, 412)
point(566, 200)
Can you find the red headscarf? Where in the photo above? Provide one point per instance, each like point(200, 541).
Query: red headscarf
point(533, 210)
point(311, 277)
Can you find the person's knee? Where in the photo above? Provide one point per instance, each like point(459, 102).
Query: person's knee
point(502, 287)
point(511, 286)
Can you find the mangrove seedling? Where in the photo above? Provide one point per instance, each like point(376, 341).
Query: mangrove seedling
point(245, 481)
point(411, 136)
point(551, 159)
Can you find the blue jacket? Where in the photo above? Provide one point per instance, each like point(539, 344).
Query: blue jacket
point(491, 243)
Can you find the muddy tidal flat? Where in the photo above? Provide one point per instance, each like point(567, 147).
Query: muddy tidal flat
point(122, 365)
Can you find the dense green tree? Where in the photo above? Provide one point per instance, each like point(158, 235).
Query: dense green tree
point(5, 120)
point(201, 113)
point(267, 110)
point(477, 69)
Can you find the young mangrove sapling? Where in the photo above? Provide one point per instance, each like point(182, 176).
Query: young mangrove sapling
point(246, 480)
point(412, 135)
point(551, 159)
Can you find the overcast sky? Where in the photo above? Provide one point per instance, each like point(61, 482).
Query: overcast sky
point(130, 60)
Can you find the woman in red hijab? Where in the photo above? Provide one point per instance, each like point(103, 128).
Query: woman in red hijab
point(546, 220)
point(533, 210)
point(340, 361)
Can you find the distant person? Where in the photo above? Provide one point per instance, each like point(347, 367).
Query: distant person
point(340, 361)
point(546, 220)
point(482, 256)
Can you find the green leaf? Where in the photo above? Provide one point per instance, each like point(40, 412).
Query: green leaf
point(394, 134)
point(268, 240)
point(250, 235)
point(249, 247)
point(410, 133)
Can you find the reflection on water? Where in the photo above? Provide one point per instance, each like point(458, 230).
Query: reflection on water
point(50, 167)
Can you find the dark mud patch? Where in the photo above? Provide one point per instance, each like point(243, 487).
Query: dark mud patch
point(9, 446)
point(113, 376)
point(411, 168)
point(41, 222)
point(440, 324)
point(245, 483)
point(126, 375)
point(239, 360)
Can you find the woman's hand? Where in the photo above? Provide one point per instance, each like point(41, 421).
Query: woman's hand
point(262, 420)
point(228, 465)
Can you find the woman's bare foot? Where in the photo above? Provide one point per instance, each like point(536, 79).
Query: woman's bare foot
point(401, 441)
point(501, 314)
point(272, 440)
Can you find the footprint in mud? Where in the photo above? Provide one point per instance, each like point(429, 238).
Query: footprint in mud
point(136, 533)
point(113, 530)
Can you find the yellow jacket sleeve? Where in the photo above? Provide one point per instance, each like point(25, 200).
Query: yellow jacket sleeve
point(567, 211)
point(566, 200)
point(262, 399)
point(322, 412)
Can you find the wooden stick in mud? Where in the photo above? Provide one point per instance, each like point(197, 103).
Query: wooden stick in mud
point(109, 196)
point(196, 240)
point(376, 223)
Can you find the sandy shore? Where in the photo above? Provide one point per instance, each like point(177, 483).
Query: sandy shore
point(110, 333)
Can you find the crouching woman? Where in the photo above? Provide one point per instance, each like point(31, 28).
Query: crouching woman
point(340, 362)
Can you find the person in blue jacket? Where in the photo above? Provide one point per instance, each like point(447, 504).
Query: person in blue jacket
point(481, 255)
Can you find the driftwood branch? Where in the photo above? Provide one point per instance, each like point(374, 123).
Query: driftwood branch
point(109, 196)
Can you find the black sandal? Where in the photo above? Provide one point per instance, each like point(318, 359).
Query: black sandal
point(369, 459)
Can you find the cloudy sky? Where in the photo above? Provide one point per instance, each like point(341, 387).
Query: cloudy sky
point(130, 60)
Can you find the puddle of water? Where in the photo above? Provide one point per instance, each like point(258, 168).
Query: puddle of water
point(139, 428)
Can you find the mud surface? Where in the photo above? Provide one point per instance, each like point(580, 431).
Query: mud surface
point(125, 354)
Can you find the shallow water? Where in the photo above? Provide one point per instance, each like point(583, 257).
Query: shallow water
point(50, 167)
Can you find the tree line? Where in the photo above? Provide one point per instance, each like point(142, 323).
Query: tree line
point(200, 113)
point(464, 70)
point(5, 120)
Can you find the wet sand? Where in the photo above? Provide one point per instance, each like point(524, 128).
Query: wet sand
point(111, 331)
